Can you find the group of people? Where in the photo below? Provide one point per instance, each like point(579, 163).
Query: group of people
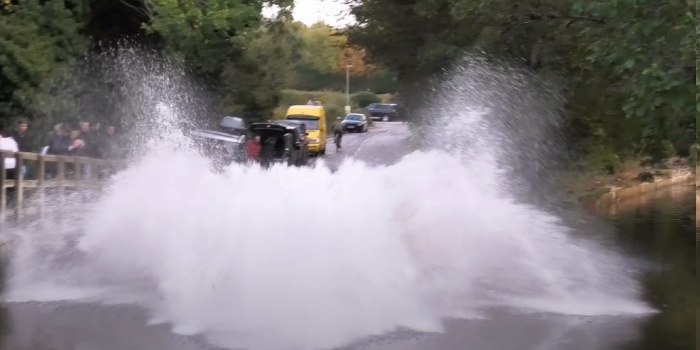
point(86, 140)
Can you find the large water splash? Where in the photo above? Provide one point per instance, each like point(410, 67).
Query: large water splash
point(306, 258)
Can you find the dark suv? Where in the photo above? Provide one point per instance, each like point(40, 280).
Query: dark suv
point(383, 111)
point(301, 142)
point(280, 144)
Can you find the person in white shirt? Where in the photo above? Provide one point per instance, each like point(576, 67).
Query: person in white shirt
point(8, 144)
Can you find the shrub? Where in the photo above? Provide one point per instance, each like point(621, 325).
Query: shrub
point(291, 97)
point(645, 176)
point(332, 112)
point(364, 98)
point(279, 112)
point(386, 98)
point(604, 160)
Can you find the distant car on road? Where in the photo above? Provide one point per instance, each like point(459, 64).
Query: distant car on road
point(383, 111)
point(355, 122)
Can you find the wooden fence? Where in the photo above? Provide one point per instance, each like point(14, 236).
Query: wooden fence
point(47, 172)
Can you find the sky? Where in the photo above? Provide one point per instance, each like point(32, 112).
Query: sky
point(311, 11)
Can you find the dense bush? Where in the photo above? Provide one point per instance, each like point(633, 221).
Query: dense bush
point(332, 112)
point(358, 100)
point(364, 98)
point(296, 97)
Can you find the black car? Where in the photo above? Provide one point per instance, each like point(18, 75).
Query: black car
point(355, 122)
point(222, 148)
point(383, 111)
point(301, 136)
point(280, 143)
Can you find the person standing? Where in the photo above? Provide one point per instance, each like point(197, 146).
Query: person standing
point(253, 148)
point(58, 144)
point(20, 135)
point(90, 147)
point(23, 142)
point(110, 147)
point(8, 143)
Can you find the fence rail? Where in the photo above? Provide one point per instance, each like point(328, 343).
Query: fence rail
point(65, 172)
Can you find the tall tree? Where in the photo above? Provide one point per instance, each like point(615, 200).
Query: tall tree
point(629, 62)
point(37, 39)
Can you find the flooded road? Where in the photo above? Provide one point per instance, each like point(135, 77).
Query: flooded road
point(658, 228)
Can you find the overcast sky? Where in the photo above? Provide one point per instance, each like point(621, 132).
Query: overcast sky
point(333, 12)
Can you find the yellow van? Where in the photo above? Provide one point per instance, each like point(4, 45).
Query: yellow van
point(314, 117)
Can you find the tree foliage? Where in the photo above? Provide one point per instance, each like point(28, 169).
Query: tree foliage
point(628, 62)
point(37, 38)
point(324, 55)
point(241, 56)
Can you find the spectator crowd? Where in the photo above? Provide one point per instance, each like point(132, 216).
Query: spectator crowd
point(85, 140)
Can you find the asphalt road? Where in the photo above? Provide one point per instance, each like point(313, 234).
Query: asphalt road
point(384, 143)
point(70, 326)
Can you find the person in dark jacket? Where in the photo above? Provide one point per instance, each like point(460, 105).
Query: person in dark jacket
point(110, 144)
point(20, 135)
point(59, 144)
point(337, 129)
point(59, 141)
point(90, 147)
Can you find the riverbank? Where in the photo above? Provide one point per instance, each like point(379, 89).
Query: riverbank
point(608, 190)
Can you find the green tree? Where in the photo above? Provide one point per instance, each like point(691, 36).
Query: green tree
point(628, 62)
point(321, 48)
point(253, 85)
point(37, 40)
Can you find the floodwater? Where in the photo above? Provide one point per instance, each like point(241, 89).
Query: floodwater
point(656, 229)
point(661, 227)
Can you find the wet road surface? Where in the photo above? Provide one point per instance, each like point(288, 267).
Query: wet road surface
point(75, 326)
point(384, 144)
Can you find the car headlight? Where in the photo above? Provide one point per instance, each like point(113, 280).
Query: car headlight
point(315, 140)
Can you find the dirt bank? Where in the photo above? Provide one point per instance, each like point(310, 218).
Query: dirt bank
point(608, 194)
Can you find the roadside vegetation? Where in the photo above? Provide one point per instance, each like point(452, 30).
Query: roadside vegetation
point(628, 65)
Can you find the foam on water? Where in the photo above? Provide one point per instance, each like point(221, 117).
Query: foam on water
point(306, 258)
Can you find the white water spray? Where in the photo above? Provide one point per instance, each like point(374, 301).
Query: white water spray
point(303, 258)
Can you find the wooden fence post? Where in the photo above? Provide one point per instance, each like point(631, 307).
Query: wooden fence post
point(3, 191)
point(41, 177)
point(19, 190)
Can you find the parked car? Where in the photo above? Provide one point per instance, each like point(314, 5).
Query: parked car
point(280, 144)
point(222, 148)
point(355, 122)
point(383, 111)
point(233, 125)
